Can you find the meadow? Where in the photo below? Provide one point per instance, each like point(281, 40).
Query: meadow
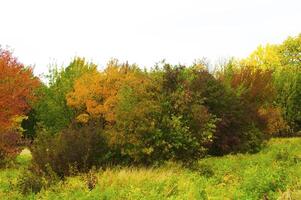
point(156, 100)
point(166, 132)
point(273, 173)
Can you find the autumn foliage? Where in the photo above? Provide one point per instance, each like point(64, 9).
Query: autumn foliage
point(124, 115)
point(17, 85)
point(17, 92)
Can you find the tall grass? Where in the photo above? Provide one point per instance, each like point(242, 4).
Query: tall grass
point(274, 173)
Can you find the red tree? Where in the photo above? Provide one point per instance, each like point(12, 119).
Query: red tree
point(17, 85)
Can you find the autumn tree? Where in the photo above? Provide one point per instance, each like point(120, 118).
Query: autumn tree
point(100, 97)
point(17, 92)
point(264, 57)
point(245, 107)
point(284, 60)
point(148, 117)
point(116, 100)
point(52, 110)
point(17, 88)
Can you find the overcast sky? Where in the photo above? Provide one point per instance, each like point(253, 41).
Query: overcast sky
point(47, 31)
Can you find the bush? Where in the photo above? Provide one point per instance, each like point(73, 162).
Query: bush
point(75, 149)
point(275, 124)
point(32, 180)
point(163, 118)
point(29, 182)
point(254, 140)
point(9, 145)
point(186, 123)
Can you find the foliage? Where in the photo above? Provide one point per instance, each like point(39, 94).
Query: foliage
point(52, 109)
point(246, 92)
point(275, 123)
point(9, 145)
point(186, 125)
point(11, 140)
point(29, 125)
point(99, 99)
point(29, 182)
point(75, 149)
point(290, 51)
point(285, 61)
point(86, 119)
point(17, 86)
point(132, 107)
point(288, 85)
point(264, 57)
point(174, 112)
point(167, 120)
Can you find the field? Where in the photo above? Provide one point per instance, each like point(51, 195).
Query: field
point(274, 173)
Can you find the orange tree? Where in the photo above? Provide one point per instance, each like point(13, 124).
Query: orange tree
point(17, 86)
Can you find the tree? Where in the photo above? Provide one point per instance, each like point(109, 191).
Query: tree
point(290, 51)
point(98, 100)
point(17, 88)
point(248, 93)
point(264, 57)
point(285, 62)
point(147, 117)
point(288, 81)
point(52, 110)
point(117, 100)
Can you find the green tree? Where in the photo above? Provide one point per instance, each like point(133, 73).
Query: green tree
point(288, 81)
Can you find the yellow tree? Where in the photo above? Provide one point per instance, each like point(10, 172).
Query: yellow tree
point(264, 57)
point(95, 94)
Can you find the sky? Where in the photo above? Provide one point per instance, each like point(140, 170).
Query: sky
point(44, 32)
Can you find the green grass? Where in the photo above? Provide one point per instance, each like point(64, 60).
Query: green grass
point(9, 176)
point(274, 173)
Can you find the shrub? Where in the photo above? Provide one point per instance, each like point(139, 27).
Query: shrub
point(275, 124)
point(253, 140)
point(29, 182)
point(9, 145)
point(186, 124)
point(75, 149)
point(163, 118)
point(32, 179)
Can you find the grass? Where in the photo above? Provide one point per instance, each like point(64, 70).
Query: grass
point(274, 173)
point(9, 176)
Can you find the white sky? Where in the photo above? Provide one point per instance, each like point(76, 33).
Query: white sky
point(45, 31)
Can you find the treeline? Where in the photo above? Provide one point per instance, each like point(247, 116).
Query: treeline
point(124, 115)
